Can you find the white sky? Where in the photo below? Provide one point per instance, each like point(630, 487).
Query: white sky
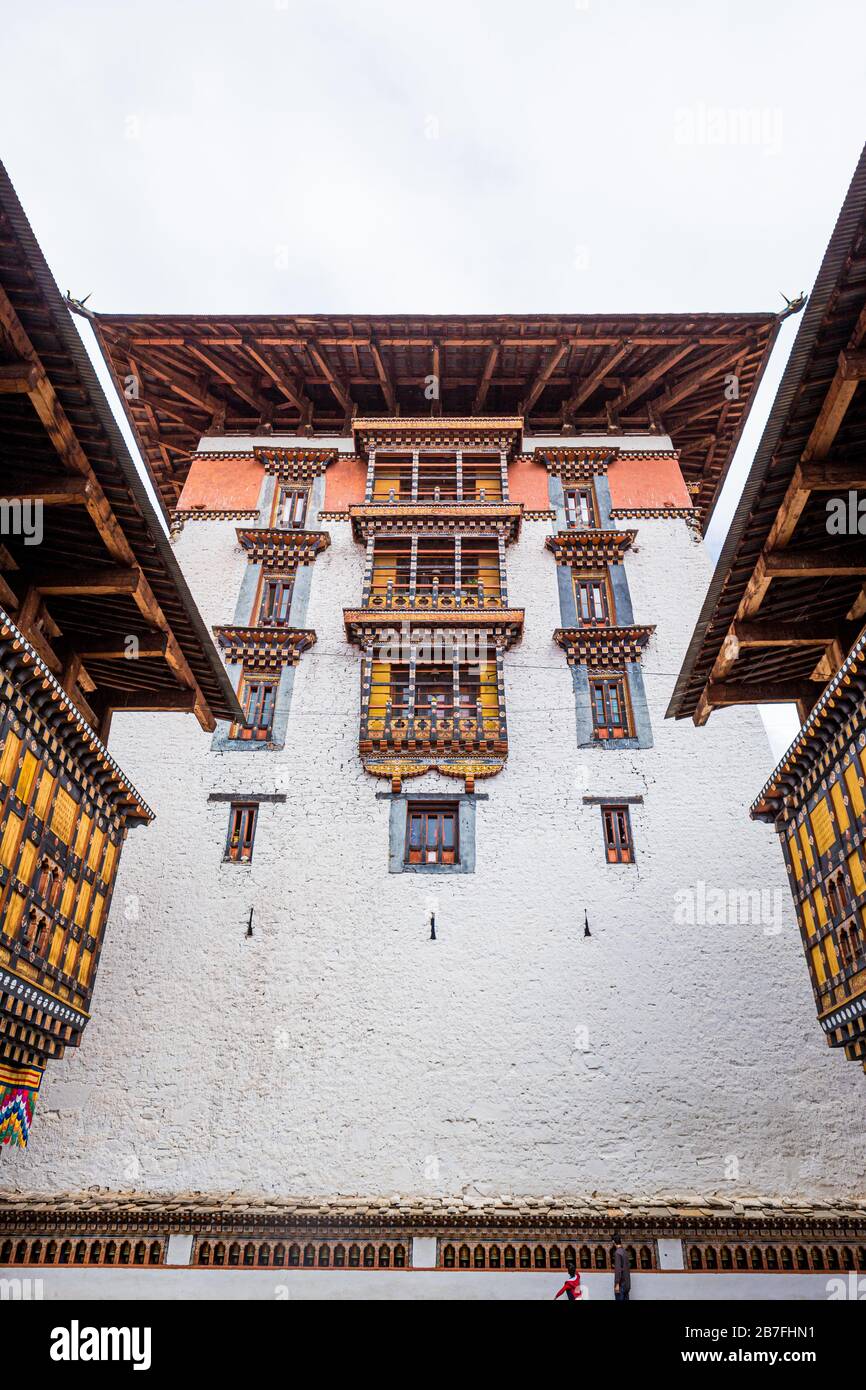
point(372, 156)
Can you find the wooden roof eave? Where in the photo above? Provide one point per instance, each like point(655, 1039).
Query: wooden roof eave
point(118, 502)
point(790, 463)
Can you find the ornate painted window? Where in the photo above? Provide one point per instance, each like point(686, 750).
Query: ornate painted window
point(592, 600)
point(291, 506)
point(618, 843)
point(276, 602)
point(242, 831)
point(580, 508)
point(610, 714)
point(258, 698)
point(431, 834)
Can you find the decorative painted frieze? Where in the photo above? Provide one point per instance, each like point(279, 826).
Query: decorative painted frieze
point(281, 549)
point(263, 648)
point(590, 549)
point(600, 647)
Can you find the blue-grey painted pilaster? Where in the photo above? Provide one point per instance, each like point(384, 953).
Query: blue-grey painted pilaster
point(465, 836)
point(639, 706)
point(266, 499)
point(621, 596)
point(244, 616)
point(301, 596)
point(602, 497)
point(583, 708)
point(316, 503)
point(567, 605)
point(556, 494)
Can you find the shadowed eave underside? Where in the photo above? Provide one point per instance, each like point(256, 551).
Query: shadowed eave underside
point(182, 377)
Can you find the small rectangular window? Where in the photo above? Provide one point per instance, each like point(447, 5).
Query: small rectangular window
point(258, 700)
point(580, 508)
point(276, 602)
point(291, 509)
point(242, 830)
point(592, 600)
point(610, 717)
point(617, 835)
point(431, 834)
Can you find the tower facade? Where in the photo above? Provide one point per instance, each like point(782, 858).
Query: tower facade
point(453, 644)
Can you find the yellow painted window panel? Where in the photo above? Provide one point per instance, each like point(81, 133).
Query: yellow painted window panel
point(63, 816)
point(832, 959)
point(855, 791)
point(808, 916)
point(9, 760)
point(11, 840)
point(27, 862)
point(12, 915)
point(68, 895)
point(839, 806)
point(96, 849)
point(96, 914)
point(822, 826)
point(807, 848)
point(56, 946)
point(71, 955)
point(820, 906)
point(858, 878)
point(794, 856)
point(26, 776)
point(82, 905)
point(108, 863)
point(84, 967)
point(818, 964)
point(81, 835)
point(43, 796)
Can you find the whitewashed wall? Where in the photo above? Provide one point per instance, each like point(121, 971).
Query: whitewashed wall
point(339, 1051)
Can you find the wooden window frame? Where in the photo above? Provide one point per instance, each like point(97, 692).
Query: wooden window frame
point(241, 834)
point(256, 732)
point(610, 729)
point(592, 583)
point(573, 496)
point(618, 835)
point(283, 586)
point(300, 495)
point(433, 811)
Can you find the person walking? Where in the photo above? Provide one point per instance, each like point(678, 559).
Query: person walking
point(621, 1271)
point(571, 1288)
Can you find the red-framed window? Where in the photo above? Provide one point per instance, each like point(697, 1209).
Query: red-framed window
point(618, 842)
point(592, 599)
point(580, 509)
point(291, 510)
point(276, 602)
point(242, 831)
point(258, 699)
point(610, 717)
point(431, 834)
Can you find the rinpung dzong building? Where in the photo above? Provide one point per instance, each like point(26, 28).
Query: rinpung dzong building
point(94, 617)
point(452, 565)
point(784, 621)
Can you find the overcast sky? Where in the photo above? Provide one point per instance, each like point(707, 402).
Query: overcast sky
point(373, 156)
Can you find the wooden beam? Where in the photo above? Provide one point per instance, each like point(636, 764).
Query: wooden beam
point(833, 474)
point(847, 559)
point(720, 694)
point(62, 492)
point(282, 379)
point(711, 367)
point(146, 644)
point(154, 700)
point(542, 377)
point(18, 378)
point(768, 633)
point(486, 378)
point(849, 372)
point(337, 387)
point(115, 580)
point(241, 384)
point(636, 388)
point(589, 384)
point(384, 380)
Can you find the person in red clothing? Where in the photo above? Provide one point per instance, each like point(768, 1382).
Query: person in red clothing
point(571, 1288)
